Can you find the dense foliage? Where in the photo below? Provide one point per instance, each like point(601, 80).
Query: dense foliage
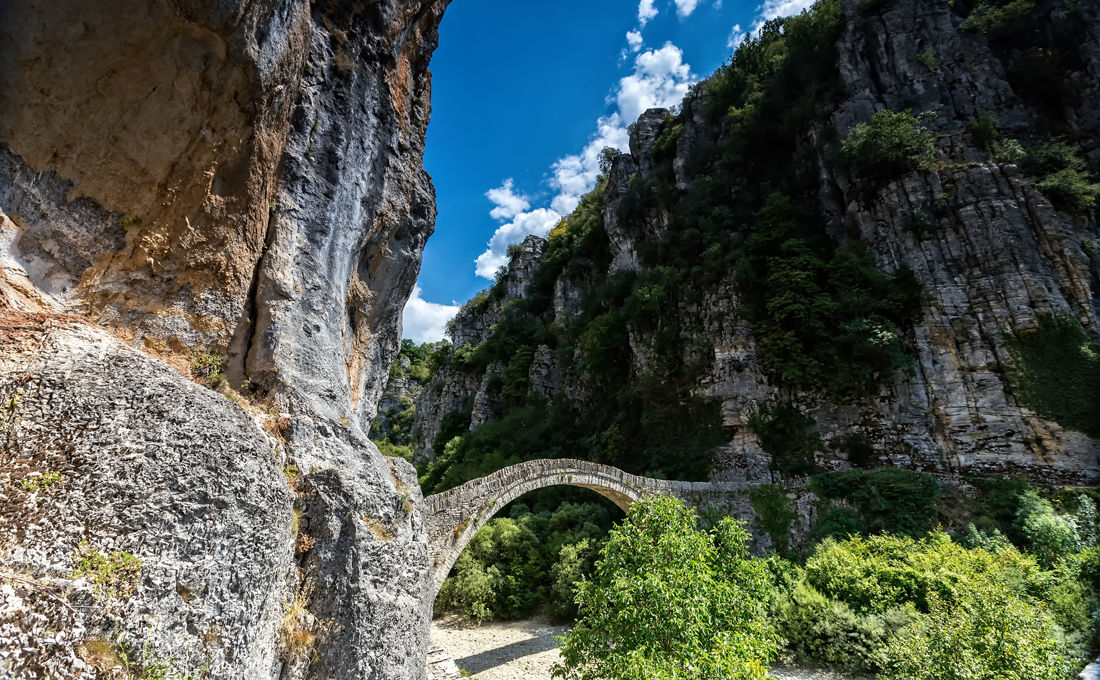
point(393, 431)
point(668, 600)
point(527, 561)
point(922, 608)
point(1056, 373)
point(876, 501)
point(891, 144)
point(907, 607)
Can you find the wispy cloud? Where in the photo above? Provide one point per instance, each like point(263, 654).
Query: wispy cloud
point(539, 222)
point(646, 11)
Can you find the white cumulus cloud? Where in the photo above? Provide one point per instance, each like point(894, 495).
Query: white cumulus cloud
point(773, 9)
point(685, 7)
point(634, 39)
point(575, 175)
point(646, 11)
point(508, 202)
point(660, 78)
point(737, 36)
point(425, 321)
point(539, 222)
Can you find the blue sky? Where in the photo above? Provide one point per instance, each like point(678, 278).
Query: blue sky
point(525, 95)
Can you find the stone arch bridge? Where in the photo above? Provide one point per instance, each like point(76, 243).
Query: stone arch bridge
point(455, 516)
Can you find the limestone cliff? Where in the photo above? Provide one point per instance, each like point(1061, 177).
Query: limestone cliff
point(235, 188)
point(992, 254)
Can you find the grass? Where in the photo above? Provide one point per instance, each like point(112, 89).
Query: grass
point(208, 369)
point(40, 482)
point(299, 632)
point(379, 530)
point(113, 576)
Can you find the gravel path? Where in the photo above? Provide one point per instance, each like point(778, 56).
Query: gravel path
point(500, 650)
point(525, 650)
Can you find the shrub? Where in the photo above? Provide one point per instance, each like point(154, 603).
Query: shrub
point(774, 513)
point(470, 589)
point(985, 632)
point(1071, 190)
point(890, 145)
point(703, 614)
point(209, 369)
point(984, 129)
point(114, 575)
point(1048, 536)
point(40, 482)
point(927, 59)
point(787, 435)
point(573, 566)
point(1062, 176)
point(996, 17)
point(1055, 372)
point(527, 561)
point(1010, 151)
point(821, 631)
point(857, 448)
point(872, 575)
point(886, 500)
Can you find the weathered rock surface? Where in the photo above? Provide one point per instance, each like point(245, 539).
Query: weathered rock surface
point(239, 177)
point(150, 464)
point(454, 388)
point(242, 179)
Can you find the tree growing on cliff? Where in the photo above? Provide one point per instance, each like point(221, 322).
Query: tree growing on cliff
point(669, 600)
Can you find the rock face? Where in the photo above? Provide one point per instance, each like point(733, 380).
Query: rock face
point(144, 463)
point(239, 177)
point(454, 389)
point(225, 179)
point(995, 258)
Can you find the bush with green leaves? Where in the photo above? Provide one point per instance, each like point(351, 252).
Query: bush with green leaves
point(1047, 535)
point(774, 513)
point(820, 631)
point(668, 600)
point(877, 573)
point(1062, 176)
point(787, 435)
point(888, 500)
point(527, 561)
point(843, 606)
point(984, 631)
point(891, 144)
point(998, 17)
point(823, 316)
point(1055, 371)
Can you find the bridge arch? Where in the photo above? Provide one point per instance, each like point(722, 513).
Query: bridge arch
point(455, 516)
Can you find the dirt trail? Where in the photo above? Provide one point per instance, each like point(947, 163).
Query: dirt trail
point(500, 650)
point(525, 650)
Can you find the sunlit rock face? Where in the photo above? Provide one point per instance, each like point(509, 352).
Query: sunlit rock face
point(240, 180)
point(995, 257)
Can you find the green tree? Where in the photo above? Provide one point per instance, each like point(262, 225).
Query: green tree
point(988, 634)
point(891, 144)
point(669, 600)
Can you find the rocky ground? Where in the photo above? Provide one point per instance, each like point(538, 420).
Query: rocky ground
point(525, 650)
